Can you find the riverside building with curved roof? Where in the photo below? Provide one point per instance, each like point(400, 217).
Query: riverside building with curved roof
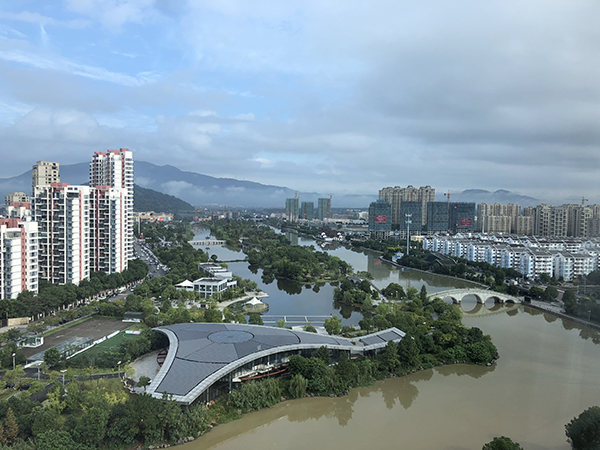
point(207, 360)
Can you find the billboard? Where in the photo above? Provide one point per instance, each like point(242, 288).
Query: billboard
point(380, 218)
point(466, 222)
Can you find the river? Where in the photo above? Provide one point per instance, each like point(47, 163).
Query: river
point(547, 374)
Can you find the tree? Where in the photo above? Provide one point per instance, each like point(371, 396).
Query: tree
point(550, 293)
point(502, 443)
point(298, 386)
point(570, 300)
point(11, 429)
point(333, 325)
point(255, 319)
point(535, 291)
point(545, 278)
point(310, 328)
point(423, 294)
point(143, 382)
point(52, 356)
point(56, 440)
point(280, 323)
point(583, 432)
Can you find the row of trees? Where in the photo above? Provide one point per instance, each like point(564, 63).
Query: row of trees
point(52, 298)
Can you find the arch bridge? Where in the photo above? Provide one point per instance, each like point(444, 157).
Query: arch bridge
point(482, 295)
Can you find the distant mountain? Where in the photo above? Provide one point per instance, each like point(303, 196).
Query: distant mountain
point(151, 200)
point(195, 188)
point(500, 196)
point(204, 190)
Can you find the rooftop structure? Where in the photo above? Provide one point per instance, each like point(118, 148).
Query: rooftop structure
point(206, 360)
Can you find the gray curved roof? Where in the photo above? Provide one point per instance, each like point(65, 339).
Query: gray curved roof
point(201, 353)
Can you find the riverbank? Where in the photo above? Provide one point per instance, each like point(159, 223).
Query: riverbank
point(536, 304)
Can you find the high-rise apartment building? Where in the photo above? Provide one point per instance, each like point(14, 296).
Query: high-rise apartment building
point(396, 195)
point(324, 208)
point(307, 210)
point(63, 216)
point(380, 225)
point(292, 209)
point(114, 169)
point(18, 257)
point(44, 173)
point(83, 229)
point(17, 205)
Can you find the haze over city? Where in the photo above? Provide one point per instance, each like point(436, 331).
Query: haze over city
point(332, 96)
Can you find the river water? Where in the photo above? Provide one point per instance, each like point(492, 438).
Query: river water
point(547, 374)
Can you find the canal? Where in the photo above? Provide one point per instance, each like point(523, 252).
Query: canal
point(546, 375)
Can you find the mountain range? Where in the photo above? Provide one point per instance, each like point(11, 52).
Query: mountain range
point(206, 191)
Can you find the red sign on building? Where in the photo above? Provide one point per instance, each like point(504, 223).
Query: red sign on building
point(380, 218)
point(466, 222)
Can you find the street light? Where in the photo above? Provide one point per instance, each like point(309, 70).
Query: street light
point(63, 376)
point(13, 355)
point(119, 369)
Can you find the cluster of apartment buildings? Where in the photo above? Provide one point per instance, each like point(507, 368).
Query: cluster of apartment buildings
point(542, 220)
point(63, 232)
point(563, 258)
point(415, 210)
point(296, 210)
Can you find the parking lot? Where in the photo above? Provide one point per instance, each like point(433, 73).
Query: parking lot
point(94, 328)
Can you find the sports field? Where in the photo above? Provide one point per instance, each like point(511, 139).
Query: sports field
point(95, 328)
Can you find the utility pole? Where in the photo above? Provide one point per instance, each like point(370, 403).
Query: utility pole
point(408, 222)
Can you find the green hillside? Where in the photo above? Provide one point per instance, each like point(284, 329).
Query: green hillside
point(151, 200)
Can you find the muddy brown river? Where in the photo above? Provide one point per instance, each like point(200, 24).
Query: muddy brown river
point(548, 372)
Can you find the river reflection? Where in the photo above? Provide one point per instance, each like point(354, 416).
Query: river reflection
point(546, 375)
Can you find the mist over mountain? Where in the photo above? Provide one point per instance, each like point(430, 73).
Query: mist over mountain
point(204, 190)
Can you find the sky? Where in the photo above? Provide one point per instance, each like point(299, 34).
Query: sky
point(334, 96)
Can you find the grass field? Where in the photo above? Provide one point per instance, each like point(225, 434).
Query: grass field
point(110, 346)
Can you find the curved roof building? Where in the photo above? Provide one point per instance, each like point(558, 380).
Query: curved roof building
point(205, 360)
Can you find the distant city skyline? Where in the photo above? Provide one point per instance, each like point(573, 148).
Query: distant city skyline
point(322, 97)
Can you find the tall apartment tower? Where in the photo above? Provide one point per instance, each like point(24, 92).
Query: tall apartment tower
point(114, 169)
point(44, 172)
point(18, 257)
point(396, 195)
point(63, 216)
point(324, 208)
point(292, 209)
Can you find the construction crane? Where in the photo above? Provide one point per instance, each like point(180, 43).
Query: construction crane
point(448, 194)
point(583, 200)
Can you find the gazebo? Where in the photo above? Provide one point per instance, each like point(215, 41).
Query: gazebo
point(186, 285)
point(255, 305)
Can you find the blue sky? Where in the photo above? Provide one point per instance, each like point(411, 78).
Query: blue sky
point(329, 95)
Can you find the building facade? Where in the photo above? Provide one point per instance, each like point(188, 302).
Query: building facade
point(44, 173)
point(396, 195)
point(380, 225)
point(324, 208)
point(114, 169)
point(307, 210)
point(18, 257)
point(292, 209)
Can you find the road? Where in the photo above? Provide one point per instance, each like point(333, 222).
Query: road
point(145, 254)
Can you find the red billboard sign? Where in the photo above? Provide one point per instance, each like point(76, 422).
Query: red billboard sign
point(466, 222)
point(380, 218)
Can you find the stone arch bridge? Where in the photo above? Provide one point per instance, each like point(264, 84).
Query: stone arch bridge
point(482, 295)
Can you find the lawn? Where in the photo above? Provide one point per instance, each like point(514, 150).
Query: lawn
point(110, 346)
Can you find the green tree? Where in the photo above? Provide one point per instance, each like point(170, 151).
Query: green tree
point(255, 319)
point(550, 293)
point(569, 298)
point(298, 386)
point(56, 440)
point(545, 278)
point(143, 382)
point(310, 328)
point(502, 443)
point(535, 291)
point(333, 325)
point(52, 356)
point(423, 294)
point(280, 323)
point(11, 429)
point(583, 432)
